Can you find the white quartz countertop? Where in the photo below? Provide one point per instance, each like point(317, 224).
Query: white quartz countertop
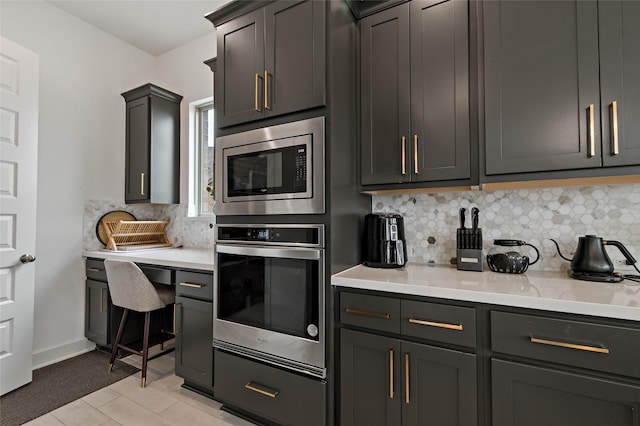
point(550, 291)
point(190, 258)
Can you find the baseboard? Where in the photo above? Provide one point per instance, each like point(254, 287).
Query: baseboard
point(60, 353)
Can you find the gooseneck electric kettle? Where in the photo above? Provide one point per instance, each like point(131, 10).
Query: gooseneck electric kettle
point(590, 261)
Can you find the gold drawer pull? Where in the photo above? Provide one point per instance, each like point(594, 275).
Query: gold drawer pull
point(406, 378)
point(415, 154)
point(367, 313)
point(192, 285)
point(436, 324)
point(614, 111)
point(403, 154)
point(94, 270)
point(141, 183)
point(390, 373)
point(266, 90)
point(602, 350)
point(256, 107)
point(592, 131)
point(253, 387)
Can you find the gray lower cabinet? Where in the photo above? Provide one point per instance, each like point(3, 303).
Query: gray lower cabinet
point(194, 329)
point(274, 395)
point(97, 312)
point(393, 381)
point(415, 93)
point(560, 92)
point(560, 372)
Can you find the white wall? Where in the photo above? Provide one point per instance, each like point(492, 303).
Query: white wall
point(80, 154)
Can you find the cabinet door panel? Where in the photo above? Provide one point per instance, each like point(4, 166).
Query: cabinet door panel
point(384, 75)
point(541, 75)
point(294, 56)
point(194, 350)
point(240, 69)
point(620, 68)
point(138, 150)
point(439, 90)
point(532, 396)
point(97, 312)
point(370, 379)
point(442, 387)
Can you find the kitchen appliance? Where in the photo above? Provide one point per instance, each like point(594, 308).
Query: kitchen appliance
point(590, 261)
point(270, 294)
point(383, 243)
point(272, 170)
point(469, 243)
point(503, 257)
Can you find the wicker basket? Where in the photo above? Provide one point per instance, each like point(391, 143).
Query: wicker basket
point(136, 234)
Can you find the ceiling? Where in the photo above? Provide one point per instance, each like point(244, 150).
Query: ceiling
point(155, 26)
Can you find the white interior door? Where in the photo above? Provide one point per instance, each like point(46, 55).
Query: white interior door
point(18, 167)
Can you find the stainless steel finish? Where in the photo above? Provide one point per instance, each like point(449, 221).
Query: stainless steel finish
point(297, 353)
point(27, 258)
point(310, 130)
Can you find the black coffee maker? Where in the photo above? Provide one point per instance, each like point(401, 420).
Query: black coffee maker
point(383, 243)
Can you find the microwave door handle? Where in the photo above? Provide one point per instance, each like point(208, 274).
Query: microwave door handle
point(279, 252)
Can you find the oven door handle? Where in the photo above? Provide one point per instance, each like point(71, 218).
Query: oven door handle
point(280, 252)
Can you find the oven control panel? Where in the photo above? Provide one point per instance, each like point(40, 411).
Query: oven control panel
point(306, 235)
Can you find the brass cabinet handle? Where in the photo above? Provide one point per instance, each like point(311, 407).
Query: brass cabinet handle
point(185, 284)
point(406, 378)
point(614, 112)
point(254, 388)
point(587, 348)
point(257, 106)
point(141, 183)
point(94, 270)
point(367, 313)
point(592, 131)
point(266, 89)
point(102, 308)
point(404, 152)
point(415, 154)
point(390, 373)
point(436, 324)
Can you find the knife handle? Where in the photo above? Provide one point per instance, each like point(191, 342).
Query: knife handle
point(462, 213)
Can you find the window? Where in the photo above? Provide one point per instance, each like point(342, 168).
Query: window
point(205, 190)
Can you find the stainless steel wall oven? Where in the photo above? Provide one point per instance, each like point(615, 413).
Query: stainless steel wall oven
point(270, 294)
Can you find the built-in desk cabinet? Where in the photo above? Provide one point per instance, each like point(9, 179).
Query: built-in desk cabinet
point(407, 360)
point(192, 317)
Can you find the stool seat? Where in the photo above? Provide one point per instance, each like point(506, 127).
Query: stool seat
point(130, 289)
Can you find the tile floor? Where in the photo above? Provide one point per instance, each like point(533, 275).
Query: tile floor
point(162, 402)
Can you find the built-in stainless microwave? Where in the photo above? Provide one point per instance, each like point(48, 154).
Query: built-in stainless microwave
point(272, 170)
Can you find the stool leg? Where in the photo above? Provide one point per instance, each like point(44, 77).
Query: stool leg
point(114, 352)
point(145, 348)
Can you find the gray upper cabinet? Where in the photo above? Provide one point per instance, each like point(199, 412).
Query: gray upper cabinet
point(271, 62)
point(152, 159)
point(415, 93)
point(619, 70)
point(544, 109)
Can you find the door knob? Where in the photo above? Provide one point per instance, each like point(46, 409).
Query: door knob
point(27, 258)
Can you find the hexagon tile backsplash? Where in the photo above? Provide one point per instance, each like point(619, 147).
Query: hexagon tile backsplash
point(532, 215)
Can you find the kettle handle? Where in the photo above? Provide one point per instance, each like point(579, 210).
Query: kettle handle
point(537, 252)
point(630, 259)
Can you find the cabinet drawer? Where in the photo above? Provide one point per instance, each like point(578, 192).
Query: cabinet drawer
point(158, 275)
point(439, 322)
point(195, 284)
point(95, 270)
point(375, 312)
point(276, 395)
point(607, 348)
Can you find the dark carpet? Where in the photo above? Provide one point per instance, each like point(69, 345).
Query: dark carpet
point(58, 384)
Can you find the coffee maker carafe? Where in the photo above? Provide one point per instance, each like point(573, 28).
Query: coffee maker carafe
point(383, 243)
